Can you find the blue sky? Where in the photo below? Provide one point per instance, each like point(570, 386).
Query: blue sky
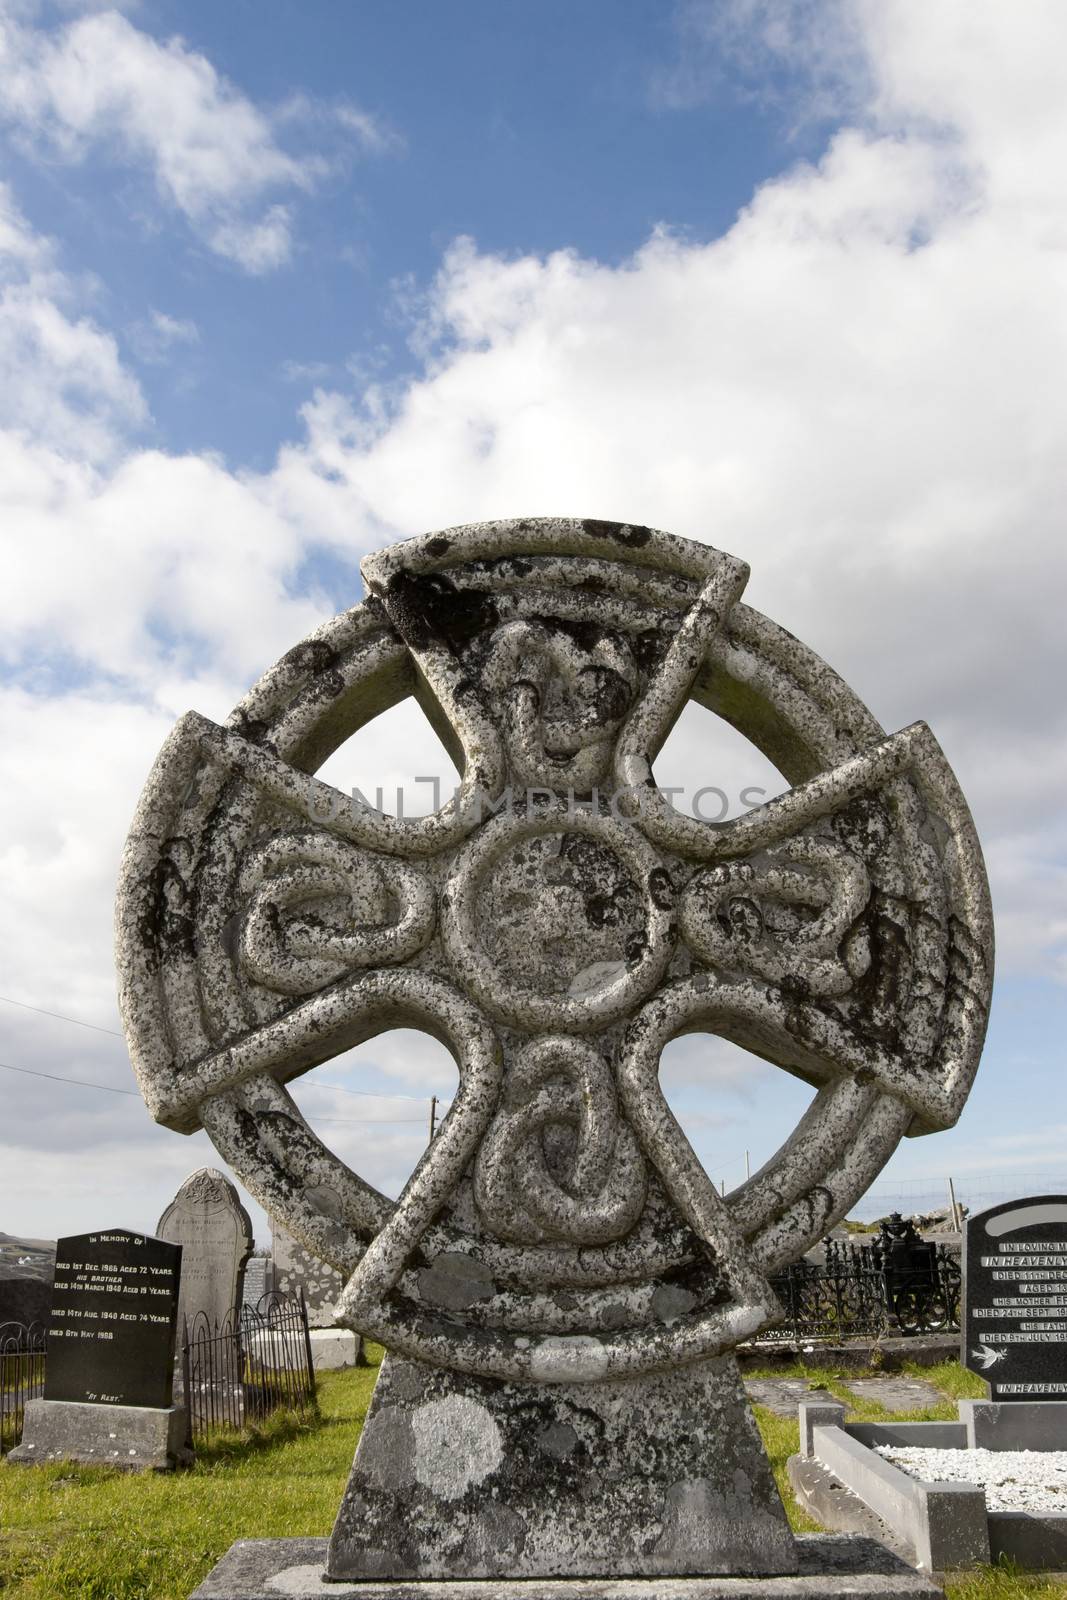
point(526, 127)
point(282, 283)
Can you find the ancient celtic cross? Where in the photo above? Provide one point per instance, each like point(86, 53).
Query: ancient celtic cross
point(555, 924)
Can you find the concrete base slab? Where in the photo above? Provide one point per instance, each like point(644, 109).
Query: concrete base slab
point(138, 1438)
point(333, 1348)
point(832, 1567)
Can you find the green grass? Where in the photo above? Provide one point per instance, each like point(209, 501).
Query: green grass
point(87, 1533)
point(781, 1439)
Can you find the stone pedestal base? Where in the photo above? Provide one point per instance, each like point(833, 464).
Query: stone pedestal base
point(135, 1437)
point(831, 1567)
point(460, 1477)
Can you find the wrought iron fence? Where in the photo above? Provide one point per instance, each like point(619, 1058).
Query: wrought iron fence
point(895, 1283)
point(250, 1364)
point(22, 1358)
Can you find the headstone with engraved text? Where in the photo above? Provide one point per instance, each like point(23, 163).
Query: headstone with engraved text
point(109, 1375)
point(112, 1330)
point(1014, 1322)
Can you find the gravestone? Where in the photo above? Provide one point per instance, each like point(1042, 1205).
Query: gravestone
point(207, 1219)
point(109, 1370)
point(259, 1280)
point(1014, 1319)
point(298, 1270)
point(560, 1285)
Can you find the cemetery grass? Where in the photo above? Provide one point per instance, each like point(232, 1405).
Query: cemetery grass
point(91, 1533)
point(88, 1533)
point(781, 1438)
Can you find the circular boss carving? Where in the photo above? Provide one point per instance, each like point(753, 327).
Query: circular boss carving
point(612, 901)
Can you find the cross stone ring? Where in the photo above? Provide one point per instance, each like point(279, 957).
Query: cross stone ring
point(555, 925)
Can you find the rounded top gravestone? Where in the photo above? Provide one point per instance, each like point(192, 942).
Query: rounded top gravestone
point(207, 1219)
point(555, 924)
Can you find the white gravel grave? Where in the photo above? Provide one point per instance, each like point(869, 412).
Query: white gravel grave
point(1013, 1480)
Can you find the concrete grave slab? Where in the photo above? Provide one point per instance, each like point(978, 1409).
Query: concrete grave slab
point(780, 1395)
point(897, 1393)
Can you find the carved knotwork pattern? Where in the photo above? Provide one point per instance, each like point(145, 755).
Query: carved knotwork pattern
point(556, 923)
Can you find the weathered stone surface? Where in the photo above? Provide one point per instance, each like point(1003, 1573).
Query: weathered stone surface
point(830, 1567)
point(555, 923)
point(897, 1393)
point(296, 1270)
point(207, 1219)
point(838, 1508)
point(331, 1348)
point(472, 1478)
point(139, 1438)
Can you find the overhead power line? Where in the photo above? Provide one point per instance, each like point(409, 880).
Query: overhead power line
point(113, 1033)
point(79, 1083)
point(59, 1017)
point(110, 1088)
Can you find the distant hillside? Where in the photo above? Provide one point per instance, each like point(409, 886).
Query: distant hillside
point(26, 1270)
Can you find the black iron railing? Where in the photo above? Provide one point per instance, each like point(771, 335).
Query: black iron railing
point(250, 1364)
point(22, 1358)
point(895, 1283)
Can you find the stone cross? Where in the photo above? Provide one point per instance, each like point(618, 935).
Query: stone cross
point(207, 1219)
point(559, 1285)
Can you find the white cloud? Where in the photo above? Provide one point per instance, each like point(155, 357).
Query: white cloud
point(61, 380)
point(154, 337)
point(215, 156)
point(858, 388)
point(816, 49)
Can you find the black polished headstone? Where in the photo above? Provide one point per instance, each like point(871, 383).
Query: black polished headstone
point(114, 1317)
point(1014, 1318)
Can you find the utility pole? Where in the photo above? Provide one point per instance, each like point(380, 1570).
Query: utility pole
point(433, 1115)
point(953, 1206)
point(748, 1166)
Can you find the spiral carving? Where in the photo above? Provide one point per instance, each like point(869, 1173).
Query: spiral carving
point(319, 906)
point(789, 919)
point(558, 1161)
